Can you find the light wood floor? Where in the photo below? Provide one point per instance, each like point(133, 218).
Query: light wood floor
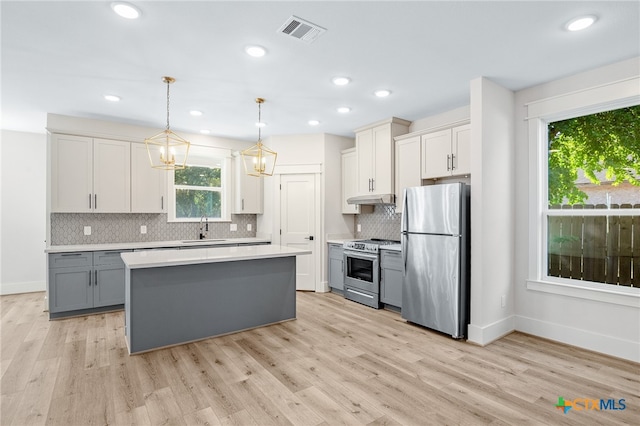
point(338, 363)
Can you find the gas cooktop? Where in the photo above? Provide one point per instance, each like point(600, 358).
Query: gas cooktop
point(372, 245)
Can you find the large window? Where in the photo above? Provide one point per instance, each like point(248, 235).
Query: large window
point(202, 188)
point(593, 198)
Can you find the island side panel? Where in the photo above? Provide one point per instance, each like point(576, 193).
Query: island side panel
point(177, 304)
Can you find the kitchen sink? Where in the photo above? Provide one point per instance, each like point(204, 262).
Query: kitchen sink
point(206, 240)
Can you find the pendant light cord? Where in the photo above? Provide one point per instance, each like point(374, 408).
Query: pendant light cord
point(259, 121)
point(168, 83)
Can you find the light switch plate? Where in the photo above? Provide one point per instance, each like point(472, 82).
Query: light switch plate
point(234, 227)
point(143, 229)
point(359, 227)
point(87, 230)
point(249, 227)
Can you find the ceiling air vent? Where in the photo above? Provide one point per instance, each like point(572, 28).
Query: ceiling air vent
point(301, 29)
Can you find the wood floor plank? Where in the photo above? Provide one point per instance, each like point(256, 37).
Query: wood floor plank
point(339, 362)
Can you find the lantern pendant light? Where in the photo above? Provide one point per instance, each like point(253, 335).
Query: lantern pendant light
point(167, 150)
point(259, 160)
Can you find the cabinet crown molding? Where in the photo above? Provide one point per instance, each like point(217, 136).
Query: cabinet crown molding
point(392, 120)
point(432, 129)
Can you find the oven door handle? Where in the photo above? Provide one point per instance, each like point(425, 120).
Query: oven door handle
point(360, 255)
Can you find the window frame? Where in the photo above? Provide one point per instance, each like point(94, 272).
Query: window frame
point(606, 97)
point(200, 156)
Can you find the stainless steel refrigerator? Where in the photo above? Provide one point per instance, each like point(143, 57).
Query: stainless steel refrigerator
point(435, 251)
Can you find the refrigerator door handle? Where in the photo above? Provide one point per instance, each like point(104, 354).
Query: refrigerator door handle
point(405, 237)
point(405, 213)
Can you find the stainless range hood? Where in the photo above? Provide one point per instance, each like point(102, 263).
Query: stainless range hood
point(371, 199)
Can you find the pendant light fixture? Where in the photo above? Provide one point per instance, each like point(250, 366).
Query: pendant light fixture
point(259, 160)
point(167, 150)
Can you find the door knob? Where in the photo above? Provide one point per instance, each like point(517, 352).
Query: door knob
point(310, 238)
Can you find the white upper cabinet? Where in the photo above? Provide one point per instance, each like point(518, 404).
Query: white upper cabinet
point(248, 191)
point(349, 180)
point(407, 167)
point(90, 175)
point(111, 176)
point(148, 185)
point(71, 174)
point(446, 153)
point(375, 152)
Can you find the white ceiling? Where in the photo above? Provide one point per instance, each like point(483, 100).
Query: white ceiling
point(62, 57)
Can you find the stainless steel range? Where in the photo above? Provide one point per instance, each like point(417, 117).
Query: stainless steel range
point(362, 270)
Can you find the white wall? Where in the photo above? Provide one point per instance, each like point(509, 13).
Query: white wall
point(492, 193)
point(611, 326)
point(22, 212)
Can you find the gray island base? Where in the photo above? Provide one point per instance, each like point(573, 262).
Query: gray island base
point(181, 303)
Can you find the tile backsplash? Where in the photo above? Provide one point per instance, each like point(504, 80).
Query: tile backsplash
point(68, 228)
point(384, 223)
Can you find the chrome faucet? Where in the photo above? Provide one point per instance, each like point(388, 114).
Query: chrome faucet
point(203, 232)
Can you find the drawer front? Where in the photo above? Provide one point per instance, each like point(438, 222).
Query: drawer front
point(109, 257)
point(70, 260)
point(391, 259)
point(335, 251)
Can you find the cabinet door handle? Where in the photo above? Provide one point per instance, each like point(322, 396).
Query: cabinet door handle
point(453, 156)
point(90, 278)
point(373, 185)
point(89, 201)
point(71, 254)
point(95, 201)
point(243, 204)
point(448, 159)
point(95, 282)
point(162, 202)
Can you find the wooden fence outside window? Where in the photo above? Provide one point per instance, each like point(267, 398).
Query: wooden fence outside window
point(603, 249)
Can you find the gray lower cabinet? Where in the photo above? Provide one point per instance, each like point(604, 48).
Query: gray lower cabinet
point(336, 266)
point(391, 277)
point(85, 280)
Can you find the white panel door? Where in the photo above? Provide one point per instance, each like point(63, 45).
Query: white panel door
point(297, 224)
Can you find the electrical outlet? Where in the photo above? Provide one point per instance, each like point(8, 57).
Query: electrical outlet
point(87, 230)
point(249, 227)
point(233, 227)
point(143, 229)
point(359, 228)
point(503, 300)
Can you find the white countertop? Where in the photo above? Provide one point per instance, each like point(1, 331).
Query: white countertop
point(160, 258)
point(153, 244)
point(392, 247)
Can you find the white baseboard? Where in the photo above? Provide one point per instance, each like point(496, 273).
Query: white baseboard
point(620, 348)
point(483, 335)
point(23, 287)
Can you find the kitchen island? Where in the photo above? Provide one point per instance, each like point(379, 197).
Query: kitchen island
point(179, 296)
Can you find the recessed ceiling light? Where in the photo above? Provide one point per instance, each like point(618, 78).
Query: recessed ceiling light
point(383, 93)
point(344, 110)
point(255, 51)
point(580, 23)
point(313, 122)
point(112, 98)
point(261, 124)
point(195, 113)
point(126, 10)
point(341, 81)
point(205, 131)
